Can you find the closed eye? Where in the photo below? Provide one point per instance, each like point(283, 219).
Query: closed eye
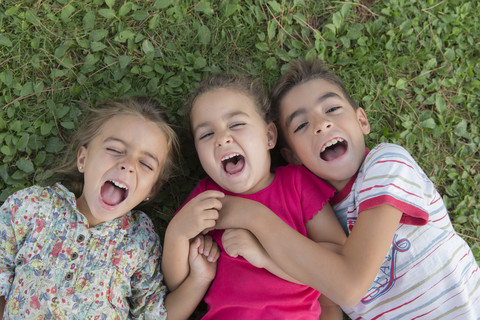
point(205, 135)
point(146, 165)
point(333, 109)
point(110, 149)
point(300, 127)
point(237, 124)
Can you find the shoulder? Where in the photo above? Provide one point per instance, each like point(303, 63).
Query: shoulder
point(300, 178)
point(139, 227)
point(37, 195)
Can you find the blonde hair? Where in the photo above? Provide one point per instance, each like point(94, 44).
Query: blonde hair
point(145, 108)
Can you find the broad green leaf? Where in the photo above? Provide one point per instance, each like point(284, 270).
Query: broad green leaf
point(461, 129)
point(199, 63)
point(45, 128)
point(262, 46)
point(110, 3)
point(204, 35)
point(107, 13)
point(337, 20)
point(124, 61)
point(174, 82)
point(125, 9)
point(154, 22)
point(4, 41)
point(40, 158)
point(54, 145)
point(450, 54)
point(6, 150)
point(27, 89)
point(89, 20)
point(147, 46)
point(440, 103)
point(204, 7)
point(162, 4)
point(25, 165)
point(401, 84)
point(97, 35)
point(32, 18)
point(271, 29)
point(67, 12)
point(428, 124)
point(276, 7)
point(97, 46)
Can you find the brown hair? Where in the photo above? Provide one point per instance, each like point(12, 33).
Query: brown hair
point(145, 108)
point(251, 88)
point(299, 72)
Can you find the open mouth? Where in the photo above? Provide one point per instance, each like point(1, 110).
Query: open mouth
point(233, 163)
point(333, 149)
point(113, 192)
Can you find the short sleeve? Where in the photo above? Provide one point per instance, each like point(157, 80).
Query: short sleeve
point(391, 176)
point(148, 288)
point(315, 192)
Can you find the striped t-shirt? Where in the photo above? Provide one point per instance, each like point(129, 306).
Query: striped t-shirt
point(429, 271)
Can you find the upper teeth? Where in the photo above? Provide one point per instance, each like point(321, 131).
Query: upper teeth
point(230, 156)
point(331, 143)
point(120, 185)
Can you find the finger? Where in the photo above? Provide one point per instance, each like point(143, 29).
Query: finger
point(214, 253)
point(207, 245)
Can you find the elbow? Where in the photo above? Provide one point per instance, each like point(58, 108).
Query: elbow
point(349, 293)
point(352, 296)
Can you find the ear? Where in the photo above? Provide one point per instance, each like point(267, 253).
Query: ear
point(290, 156)
point(81, 158)
point(271, 135)
point(363, 121)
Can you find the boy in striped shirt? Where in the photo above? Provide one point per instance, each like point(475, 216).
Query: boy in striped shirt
point(403, 258)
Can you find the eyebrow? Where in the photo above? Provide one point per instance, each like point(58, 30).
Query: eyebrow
point(302, 110)
point(228, 116)
point(146, 153)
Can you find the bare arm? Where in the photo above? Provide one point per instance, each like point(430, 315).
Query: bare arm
point(181, 302)
point(344, 276)
point(241, 242)
point(2, 306)
point(197, 215)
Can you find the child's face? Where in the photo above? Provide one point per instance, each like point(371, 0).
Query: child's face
point(120, 165)
point(323, 130)
point(233, 140)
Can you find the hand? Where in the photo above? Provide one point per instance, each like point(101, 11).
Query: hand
point(198, 215)
point(241, 242)
point(203, 256)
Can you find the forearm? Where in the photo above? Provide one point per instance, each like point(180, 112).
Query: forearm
point(343, 276)
point(175, 266)
point(273, 268)
point(181, 302)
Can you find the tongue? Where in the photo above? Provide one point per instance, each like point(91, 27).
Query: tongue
point(111, 194)
point(333, 152)
point(235, 166)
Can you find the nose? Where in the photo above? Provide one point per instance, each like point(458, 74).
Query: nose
point(223, 138)
point(321, 124)
point(127, 164)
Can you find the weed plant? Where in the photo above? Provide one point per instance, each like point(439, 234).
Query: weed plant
point(414, 66)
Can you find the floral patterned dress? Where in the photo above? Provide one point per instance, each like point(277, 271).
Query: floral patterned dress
point(53, 266)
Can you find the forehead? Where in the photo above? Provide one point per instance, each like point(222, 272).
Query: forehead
point(308, 94)
point(135, 132)
point(222, 102)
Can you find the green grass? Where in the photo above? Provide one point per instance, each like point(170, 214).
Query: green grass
point(413, 65)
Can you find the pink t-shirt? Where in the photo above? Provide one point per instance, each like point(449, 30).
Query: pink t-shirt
point(242, 291)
